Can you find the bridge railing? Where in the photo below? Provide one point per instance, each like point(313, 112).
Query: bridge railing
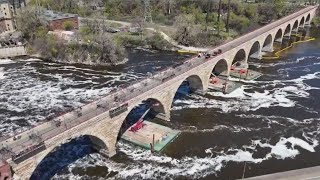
point(138, 88)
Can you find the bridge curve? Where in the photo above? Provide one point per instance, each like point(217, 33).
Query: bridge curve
point(103, 118)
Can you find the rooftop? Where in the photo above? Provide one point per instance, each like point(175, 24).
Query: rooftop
point(50, 15)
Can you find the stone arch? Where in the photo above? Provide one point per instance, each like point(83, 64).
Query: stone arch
point(308, 18)
point(239, 58)
point(287, 31)
point(268, 44)
point(255, 50)
point(84, 145)
point(301, 24)
point(191, 84)
point(220, 68)
point(278, 36)
point(152, 105)
point(295, 26)
point(195, 83)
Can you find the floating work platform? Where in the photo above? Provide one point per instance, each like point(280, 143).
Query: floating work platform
point(144, 136)
point(247, 75)
point(218, 84)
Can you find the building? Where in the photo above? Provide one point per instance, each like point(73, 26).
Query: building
point(7, 12)
point(58, 20)
point(67, 36)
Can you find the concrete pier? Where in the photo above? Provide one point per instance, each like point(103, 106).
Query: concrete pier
point(144, 136)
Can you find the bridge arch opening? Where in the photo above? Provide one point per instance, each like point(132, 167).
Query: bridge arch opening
point(255, 51)
point(295, 26)
point(220, 68)
point(287, 31)
point(147, 109)
point(308, 19)
point(268, 44)
point(278, 36)
point(61, 156)
point(240, 58)
point(301, 24)
point(190, 85)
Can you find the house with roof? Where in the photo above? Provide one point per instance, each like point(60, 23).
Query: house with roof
point(57, 20)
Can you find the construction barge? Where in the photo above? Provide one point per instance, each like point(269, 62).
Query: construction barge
point(149, 135)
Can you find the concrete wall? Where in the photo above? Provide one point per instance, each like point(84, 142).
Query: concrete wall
point(13, 51)
point(106, 129)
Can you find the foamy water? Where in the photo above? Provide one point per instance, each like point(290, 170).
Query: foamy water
point(30, 93)
point(146, 165)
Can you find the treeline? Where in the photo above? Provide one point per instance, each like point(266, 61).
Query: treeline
point(197, 22)
point(89, 47)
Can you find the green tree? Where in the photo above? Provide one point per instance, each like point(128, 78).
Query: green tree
point(67, 25)
point(278, 7)
point(28, 26)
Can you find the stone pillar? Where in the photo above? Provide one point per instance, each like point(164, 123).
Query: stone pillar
point(268, 48)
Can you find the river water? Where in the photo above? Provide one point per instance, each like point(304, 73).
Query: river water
point(269, 125)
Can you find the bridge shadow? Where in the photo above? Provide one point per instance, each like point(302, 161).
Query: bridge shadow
point(63, 156)
point(183, 90)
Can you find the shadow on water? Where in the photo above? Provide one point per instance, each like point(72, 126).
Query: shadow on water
point(62, 156)
point(183, 91)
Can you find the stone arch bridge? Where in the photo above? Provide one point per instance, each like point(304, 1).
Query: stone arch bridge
point(101, 120)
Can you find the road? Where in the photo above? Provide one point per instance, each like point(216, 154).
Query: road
point(50, 129)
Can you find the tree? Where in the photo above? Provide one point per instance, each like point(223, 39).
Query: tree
point(28, 26)
point(278, 7)
point(140, 23)
point(228, 17)
point(67, 25)
point(184, 24)
point(218, 19)
point(209, 3)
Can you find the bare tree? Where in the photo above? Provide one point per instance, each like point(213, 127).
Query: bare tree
point(228, 16)
point(140, 23)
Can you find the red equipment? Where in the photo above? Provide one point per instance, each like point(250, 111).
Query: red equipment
point(242, 71)
point(214, 80)
point(138, 125)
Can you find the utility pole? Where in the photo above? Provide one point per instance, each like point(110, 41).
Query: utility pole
point(147, 11)
point(228, 17)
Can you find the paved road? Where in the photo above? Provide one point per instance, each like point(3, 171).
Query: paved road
point(312, 173)
point(28, 139)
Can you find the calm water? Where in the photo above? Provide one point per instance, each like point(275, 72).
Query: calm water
point(271, 123)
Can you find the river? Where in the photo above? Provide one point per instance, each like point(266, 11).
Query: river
point(269, 125)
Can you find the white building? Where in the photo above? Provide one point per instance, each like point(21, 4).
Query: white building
point(7, 16)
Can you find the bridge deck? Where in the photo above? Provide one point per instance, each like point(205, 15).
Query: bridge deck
point(131, 93)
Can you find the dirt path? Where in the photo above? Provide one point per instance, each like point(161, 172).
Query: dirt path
point(164, 35)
